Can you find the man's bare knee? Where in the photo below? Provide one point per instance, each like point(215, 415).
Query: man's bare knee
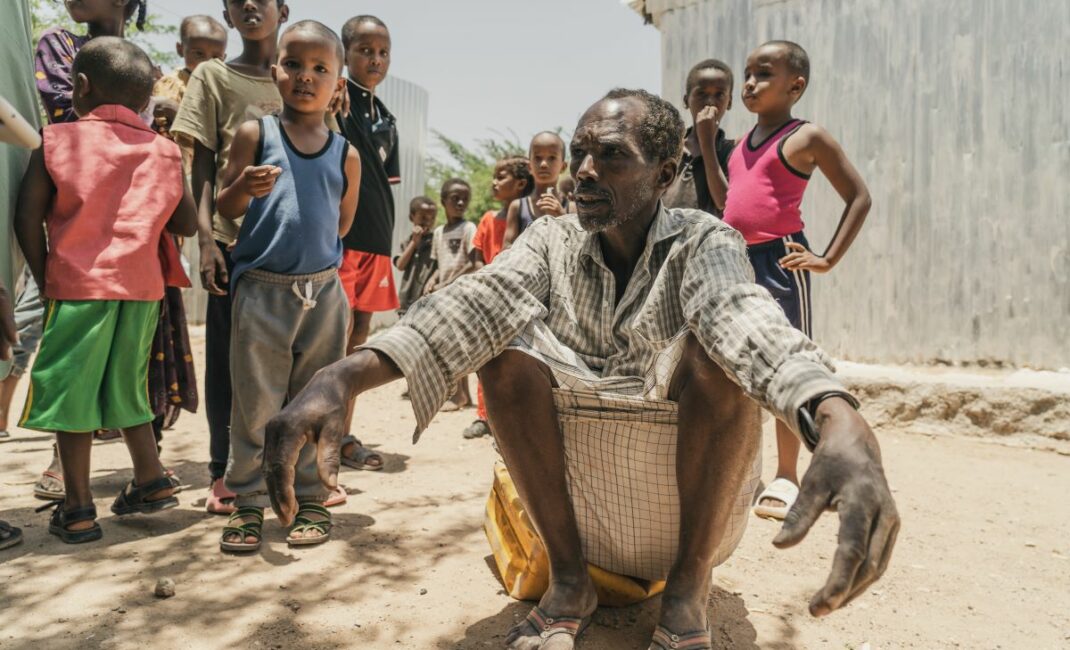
point(513, 373)
point(699, 373)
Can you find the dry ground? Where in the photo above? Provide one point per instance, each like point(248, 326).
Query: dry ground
point(983, 559)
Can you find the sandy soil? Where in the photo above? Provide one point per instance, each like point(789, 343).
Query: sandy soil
point(982, 562)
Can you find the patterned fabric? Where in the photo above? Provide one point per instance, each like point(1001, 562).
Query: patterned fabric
point(693, 276)
point(52, 64)
point(172, 379)
point(620, 464)
point(173, 86)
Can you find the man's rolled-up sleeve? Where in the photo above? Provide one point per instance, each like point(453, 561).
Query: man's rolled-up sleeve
point(455, 331)
point(745, 331)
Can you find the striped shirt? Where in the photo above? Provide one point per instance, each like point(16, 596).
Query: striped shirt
point(693, 274)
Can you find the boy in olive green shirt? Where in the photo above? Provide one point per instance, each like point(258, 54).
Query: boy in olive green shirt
point(219, 98)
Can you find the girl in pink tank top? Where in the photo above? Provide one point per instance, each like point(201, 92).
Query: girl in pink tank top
point(765, 192)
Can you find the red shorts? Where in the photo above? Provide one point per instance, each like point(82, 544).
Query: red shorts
point(368, 280)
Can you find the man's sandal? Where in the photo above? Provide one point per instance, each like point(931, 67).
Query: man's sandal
point(9, 535)
point(134, 498)
point(254, 528)
point(539, 623)
point(666, 639)
point(60, 520)
point(304, 524)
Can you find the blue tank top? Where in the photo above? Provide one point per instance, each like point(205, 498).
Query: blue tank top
point(527, 211)
point(294, 229)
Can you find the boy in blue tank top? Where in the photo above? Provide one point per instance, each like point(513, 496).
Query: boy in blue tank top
point(296, 183)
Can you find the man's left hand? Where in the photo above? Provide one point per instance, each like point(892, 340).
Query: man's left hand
point(801, 258)
point(845, 475)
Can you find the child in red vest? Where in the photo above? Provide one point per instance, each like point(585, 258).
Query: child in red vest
point(104, 187)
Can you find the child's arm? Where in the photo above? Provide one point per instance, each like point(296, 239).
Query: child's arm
point(402, 261)
point(244, 180)
point(432, 282)
point(707, 123)
point(35, 196)
point(512, 224)
point(213, 267)
point(348, 210)
point(184, 220)
point(475, 260)
point(812, 146)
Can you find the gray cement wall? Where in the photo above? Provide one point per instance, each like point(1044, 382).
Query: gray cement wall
point(957, 114)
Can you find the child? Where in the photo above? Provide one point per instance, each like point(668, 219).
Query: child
point(566, 188)
point(512, 181)
point(415, 261)
point(202, 38)
point(102, 275)
point(547, 156)
point(769, 171)
point(451, 248)
point(57, 48)
point(367, 275)
point(220, 97)
point(708, 96)
point(296, 184)
point(52, 62)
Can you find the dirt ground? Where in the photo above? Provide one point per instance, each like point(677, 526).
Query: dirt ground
point(983, 559)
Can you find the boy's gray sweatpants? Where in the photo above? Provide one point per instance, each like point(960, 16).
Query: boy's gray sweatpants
point(284, 328)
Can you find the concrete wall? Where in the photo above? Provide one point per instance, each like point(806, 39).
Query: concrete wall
point(957, 114)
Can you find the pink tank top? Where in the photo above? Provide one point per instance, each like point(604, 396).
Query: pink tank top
point(117, 184)
point(764, 192)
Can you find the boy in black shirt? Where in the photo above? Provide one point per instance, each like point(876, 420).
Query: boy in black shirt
point(367, 273)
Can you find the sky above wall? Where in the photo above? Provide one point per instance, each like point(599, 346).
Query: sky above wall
point(494, 68)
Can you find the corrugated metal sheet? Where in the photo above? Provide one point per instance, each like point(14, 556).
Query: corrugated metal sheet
point(409, 103)
point(955, 112)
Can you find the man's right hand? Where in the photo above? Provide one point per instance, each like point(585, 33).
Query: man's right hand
point(707, 122)
point(214, 276)
point(318, 416)
point(417, 234)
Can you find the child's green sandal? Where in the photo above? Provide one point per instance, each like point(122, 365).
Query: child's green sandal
point(304, 523)
point(253, 528)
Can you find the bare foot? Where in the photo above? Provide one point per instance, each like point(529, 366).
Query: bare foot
point(574, 600)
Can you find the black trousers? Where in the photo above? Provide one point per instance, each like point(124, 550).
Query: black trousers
point(217, 386)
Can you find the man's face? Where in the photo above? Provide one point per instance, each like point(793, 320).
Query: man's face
point(308, 72)
point(615, 182)
point(547, 157)
point(201, 46)
point(456, 201)
point(255, 20)
point(712, 87)
point(768, 82)
point(368, 56)
point(424, 217)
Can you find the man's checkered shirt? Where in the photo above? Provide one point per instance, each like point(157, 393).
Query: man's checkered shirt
point(693, 274)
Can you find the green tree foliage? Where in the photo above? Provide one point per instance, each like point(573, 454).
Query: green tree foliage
point(475, 165)
point(47, 14)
